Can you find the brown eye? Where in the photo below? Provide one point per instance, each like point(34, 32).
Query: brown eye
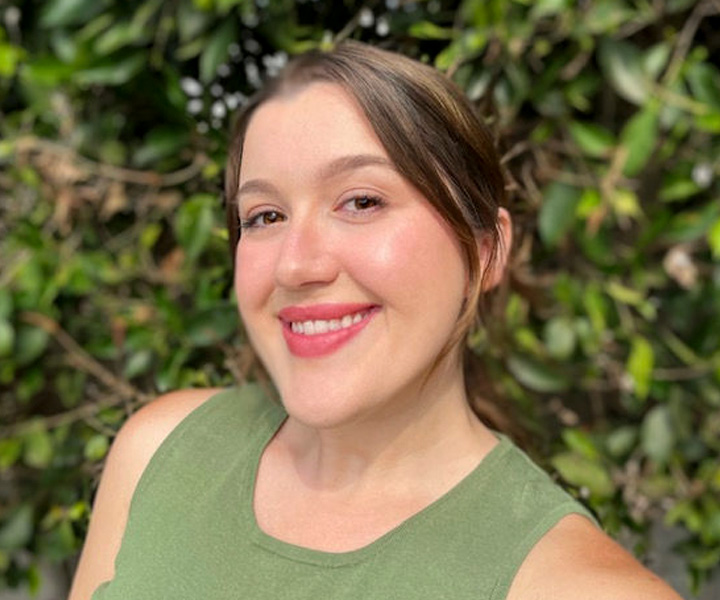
point(363, 203)
point(269, 217)
point(262, 219)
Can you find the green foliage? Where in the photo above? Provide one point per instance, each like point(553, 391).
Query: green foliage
point(114, 271)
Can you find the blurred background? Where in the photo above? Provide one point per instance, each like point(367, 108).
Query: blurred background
point(115, 276)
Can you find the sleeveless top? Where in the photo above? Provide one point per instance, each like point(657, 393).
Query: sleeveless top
point(191, 532)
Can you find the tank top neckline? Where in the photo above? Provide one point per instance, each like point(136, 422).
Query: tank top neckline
point(271, 423)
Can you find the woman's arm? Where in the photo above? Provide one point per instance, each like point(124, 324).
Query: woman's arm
point(577, 560)
point(131, 451)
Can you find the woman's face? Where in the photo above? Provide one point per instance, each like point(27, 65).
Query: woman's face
point(348, 282)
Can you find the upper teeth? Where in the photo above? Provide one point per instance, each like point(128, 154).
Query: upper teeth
point(322, 326)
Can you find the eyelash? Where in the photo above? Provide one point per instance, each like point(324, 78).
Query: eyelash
point(253, 221)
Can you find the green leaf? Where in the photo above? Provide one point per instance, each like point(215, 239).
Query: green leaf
point(639, 137)
point(145, 12)
point(595, 306)
point(61, 13)
point(7, 337)
point(689, 225)
point(31, 383)
point(426, 30)
point(581, 443)
point(139, 362)
point(583, 472)
point(640, 366)
point(559, 336)
point(546, 8)
point(216, 50)
point(606, 16)
point(224, 6)
point(594, 140)
point(96, 447)
point(621, 441)
point(160, 143)
point(78, 510)
point(590, 201)
point(38, 448)
point(527, 340)
point(191, 23)
point(111, 72)
point(59, 543)
point(17, 530)
point(624, 294)
point(10, 58)
point(212, 325)
point(704, 81)
point(46, 71)
point(622, 64)
point(193, 223)
point(70, 386)
point(678, 188)
point(713, 238)
point(122, 34)
point(536, 376)
point(7, 150)
point(625, 203)
point(709, 122)
point(65, 47)
point(655, 59)
point(685, 512)
point(10, 451)
point(167, 377)
point(557, 212)
point(31, 343)
point(657, 434)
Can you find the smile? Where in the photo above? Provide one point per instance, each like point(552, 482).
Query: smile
point(319, 327)
point(319, 330)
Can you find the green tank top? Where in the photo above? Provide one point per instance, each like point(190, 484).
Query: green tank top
point(191, 532)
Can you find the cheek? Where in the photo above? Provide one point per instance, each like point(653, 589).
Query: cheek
point(253, 277)
point(410, 260)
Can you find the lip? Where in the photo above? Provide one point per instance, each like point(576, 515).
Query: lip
point(311, 346)
point(323, 312)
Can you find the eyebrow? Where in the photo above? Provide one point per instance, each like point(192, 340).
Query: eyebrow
point(336, 167)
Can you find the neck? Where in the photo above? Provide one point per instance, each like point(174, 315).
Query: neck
point(420, 430)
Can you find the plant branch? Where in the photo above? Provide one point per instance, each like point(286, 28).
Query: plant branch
point(81, 359)
point(148, 178)
point(686, 36)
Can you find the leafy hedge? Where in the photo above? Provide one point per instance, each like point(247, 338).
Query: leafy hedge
point(115, 276)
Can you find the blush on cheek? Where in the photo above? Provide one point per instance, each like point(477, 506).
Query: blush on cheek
point(414, 254)
point(254, 263)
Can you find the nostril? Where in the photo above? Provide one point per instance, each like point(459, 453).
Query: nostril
point(305, 258)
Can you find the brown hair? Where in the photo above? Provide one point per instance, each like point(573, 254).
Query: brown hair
point(434, 137)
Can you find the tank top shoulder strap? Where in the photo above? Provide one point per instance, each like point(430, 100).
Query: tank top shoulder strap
point(532, 504)
point(227, 421)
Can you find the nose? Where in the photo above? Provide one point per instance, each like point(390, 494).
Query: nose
point(306, 255)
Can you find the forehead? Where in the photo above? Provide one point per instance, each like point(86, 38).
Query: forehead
point(305, 128)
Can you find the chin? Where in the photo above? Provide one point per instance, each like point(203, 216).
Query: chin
point(323, 409)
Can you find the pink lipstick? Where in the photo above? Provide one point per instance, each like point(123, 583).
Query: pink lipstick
point(320, 329)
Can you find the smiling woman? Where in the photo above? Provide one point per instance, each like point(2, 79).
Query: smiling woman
point(391, 265)
point(366, 223)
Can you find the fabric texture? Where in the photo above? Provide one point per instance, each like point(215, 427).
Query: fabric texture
point(191, 531)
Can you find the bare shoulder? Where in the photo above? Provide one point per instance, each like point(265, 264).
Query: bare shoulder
point(576, 559)
point(145, 430)
point(134, 446)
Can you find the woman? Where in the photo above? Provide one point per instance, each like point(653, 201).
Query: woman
point(368, 196)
